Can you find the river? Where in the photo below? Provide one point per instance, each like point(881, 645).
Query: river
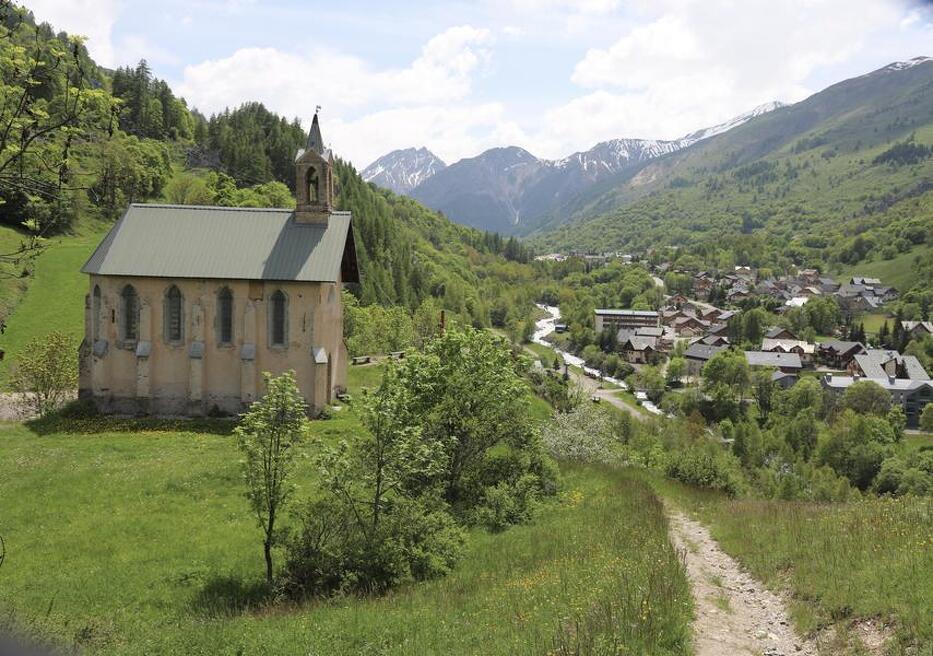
point(545, 326)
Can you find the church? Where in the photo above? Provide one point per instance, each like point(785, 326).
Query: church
point(189, 305)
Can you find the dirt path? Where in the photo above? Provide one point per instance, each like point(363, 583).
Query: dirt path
point(735, 614)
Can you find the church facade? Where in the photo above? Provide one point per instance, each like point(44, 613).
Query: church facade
point(189, 305)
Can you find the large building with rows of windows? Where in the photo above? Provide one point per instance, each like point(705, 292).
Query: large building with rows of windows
point(189, 305)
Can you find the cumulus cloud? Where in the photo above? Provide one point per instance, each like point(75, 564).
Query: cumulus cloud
point(691, 63)
point(93, 19)
point(413, 98)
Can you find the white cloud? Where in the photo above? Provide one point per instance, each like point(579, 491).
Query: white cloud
point(93, 19)
point(292, 84)
point(694, 63)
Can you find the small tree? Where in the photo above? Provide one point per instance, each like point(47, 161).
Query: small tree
point(267, 436)
point(46, 371)
point(867, 397)
point(926, 418)
point(676, 368)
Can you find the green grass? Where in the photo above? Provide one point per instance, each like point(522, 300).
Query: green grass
point(54, 298)
point(140, 541)
point(840, 561)
point(899, 272)
point(873, 322)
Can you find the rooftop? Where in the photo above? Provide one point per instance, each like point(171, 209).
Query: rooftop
point(772, 359)
point(185, 241)
point(627, 313)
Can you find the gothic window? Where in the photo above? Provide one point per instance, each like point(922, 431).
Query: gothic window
point(173, 314)
point(313, 185)
point(277, 330)
point(130, 313)
point(225, 316)
point(95, 313)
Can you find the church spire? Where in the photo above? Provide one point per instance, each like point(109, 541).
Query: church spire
point(315, 142)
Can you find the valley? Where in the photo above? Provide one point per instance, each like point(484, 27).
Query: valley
point(660, 397)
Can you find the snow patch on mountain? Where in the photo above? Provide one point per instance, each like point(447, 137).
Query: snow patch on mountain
point(910, 63)
point(735, 122)
point(403, 170)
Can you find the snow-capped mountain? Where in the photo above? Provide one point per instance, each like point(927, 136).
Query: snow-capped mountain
point(403, 170)
point(904, 65)
point(509, 189)
point(706, 133)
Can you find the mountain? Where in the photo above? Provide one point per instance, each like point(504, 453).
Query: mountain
point(706, 133)
point(509, 190)
point(841, 177)
point(402, 170)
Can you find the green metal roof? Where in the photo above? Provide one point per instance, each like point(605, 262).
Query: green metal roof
point(184, 241)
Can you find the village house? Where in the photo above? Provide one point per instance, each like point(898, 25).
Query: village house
point(189, 305)
point(838, 354)
point(639, 349)
point(804, 350)
point(789, 363)
point(779, 332)
point(917, 329)
point(697, 355)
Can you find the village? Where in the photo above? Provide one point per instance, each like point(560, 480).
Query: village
point(692, 327)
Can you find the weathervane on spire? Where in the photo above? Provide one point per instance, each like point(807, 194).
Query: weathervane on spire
point(317, 109)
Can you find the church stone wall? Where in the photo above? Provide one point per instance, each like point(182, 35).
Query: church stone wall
point(198, 374)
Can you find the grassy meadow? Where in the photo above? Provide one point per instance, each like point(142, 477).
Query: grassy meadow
point(132, 537)
point(870, 559)
point(54, 296)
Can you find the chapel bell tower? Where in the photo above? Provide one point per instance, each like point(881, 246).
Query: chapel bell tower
point(314, 179)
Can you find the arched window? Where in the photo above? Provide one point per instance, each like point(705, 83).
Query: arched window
point(130, 313)
point(225, 316)
point(95, 313)
point(277, 329)
point(311, 180)
point(173, 315)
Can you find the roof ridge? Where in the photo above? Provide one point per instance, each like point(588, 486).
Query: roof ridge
point(181, 206)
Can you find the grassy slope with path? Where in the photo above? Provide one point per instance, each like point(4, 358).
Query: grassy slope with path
point(144, 544)
point(870, 559)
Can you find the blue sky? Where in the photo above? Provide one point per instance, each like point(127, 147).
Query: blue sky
point(552, 76)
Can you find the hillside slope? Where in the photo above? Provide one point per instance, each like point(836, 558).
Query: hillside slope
point(841, 176)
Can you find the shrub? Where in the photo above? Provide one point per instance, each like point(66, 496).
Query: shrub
point(899, 475)
point(706, 466)
point(926, 418)
point(334, 553)
point(867, 397)
point(47, 371)
point(505, 504)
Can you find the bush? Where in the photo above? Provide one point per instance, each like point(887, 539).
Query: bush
point(706, 466)
point(47, 371)
point(506, 504)
point(899, 476)
point(926, 418)
point(334, 553)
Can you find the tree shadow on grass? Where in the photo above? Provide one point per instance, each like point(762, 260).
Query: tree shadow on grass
point(229, 596)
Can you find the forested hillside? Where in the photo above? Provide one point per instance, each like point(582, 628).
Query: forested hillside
point(841, 178)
